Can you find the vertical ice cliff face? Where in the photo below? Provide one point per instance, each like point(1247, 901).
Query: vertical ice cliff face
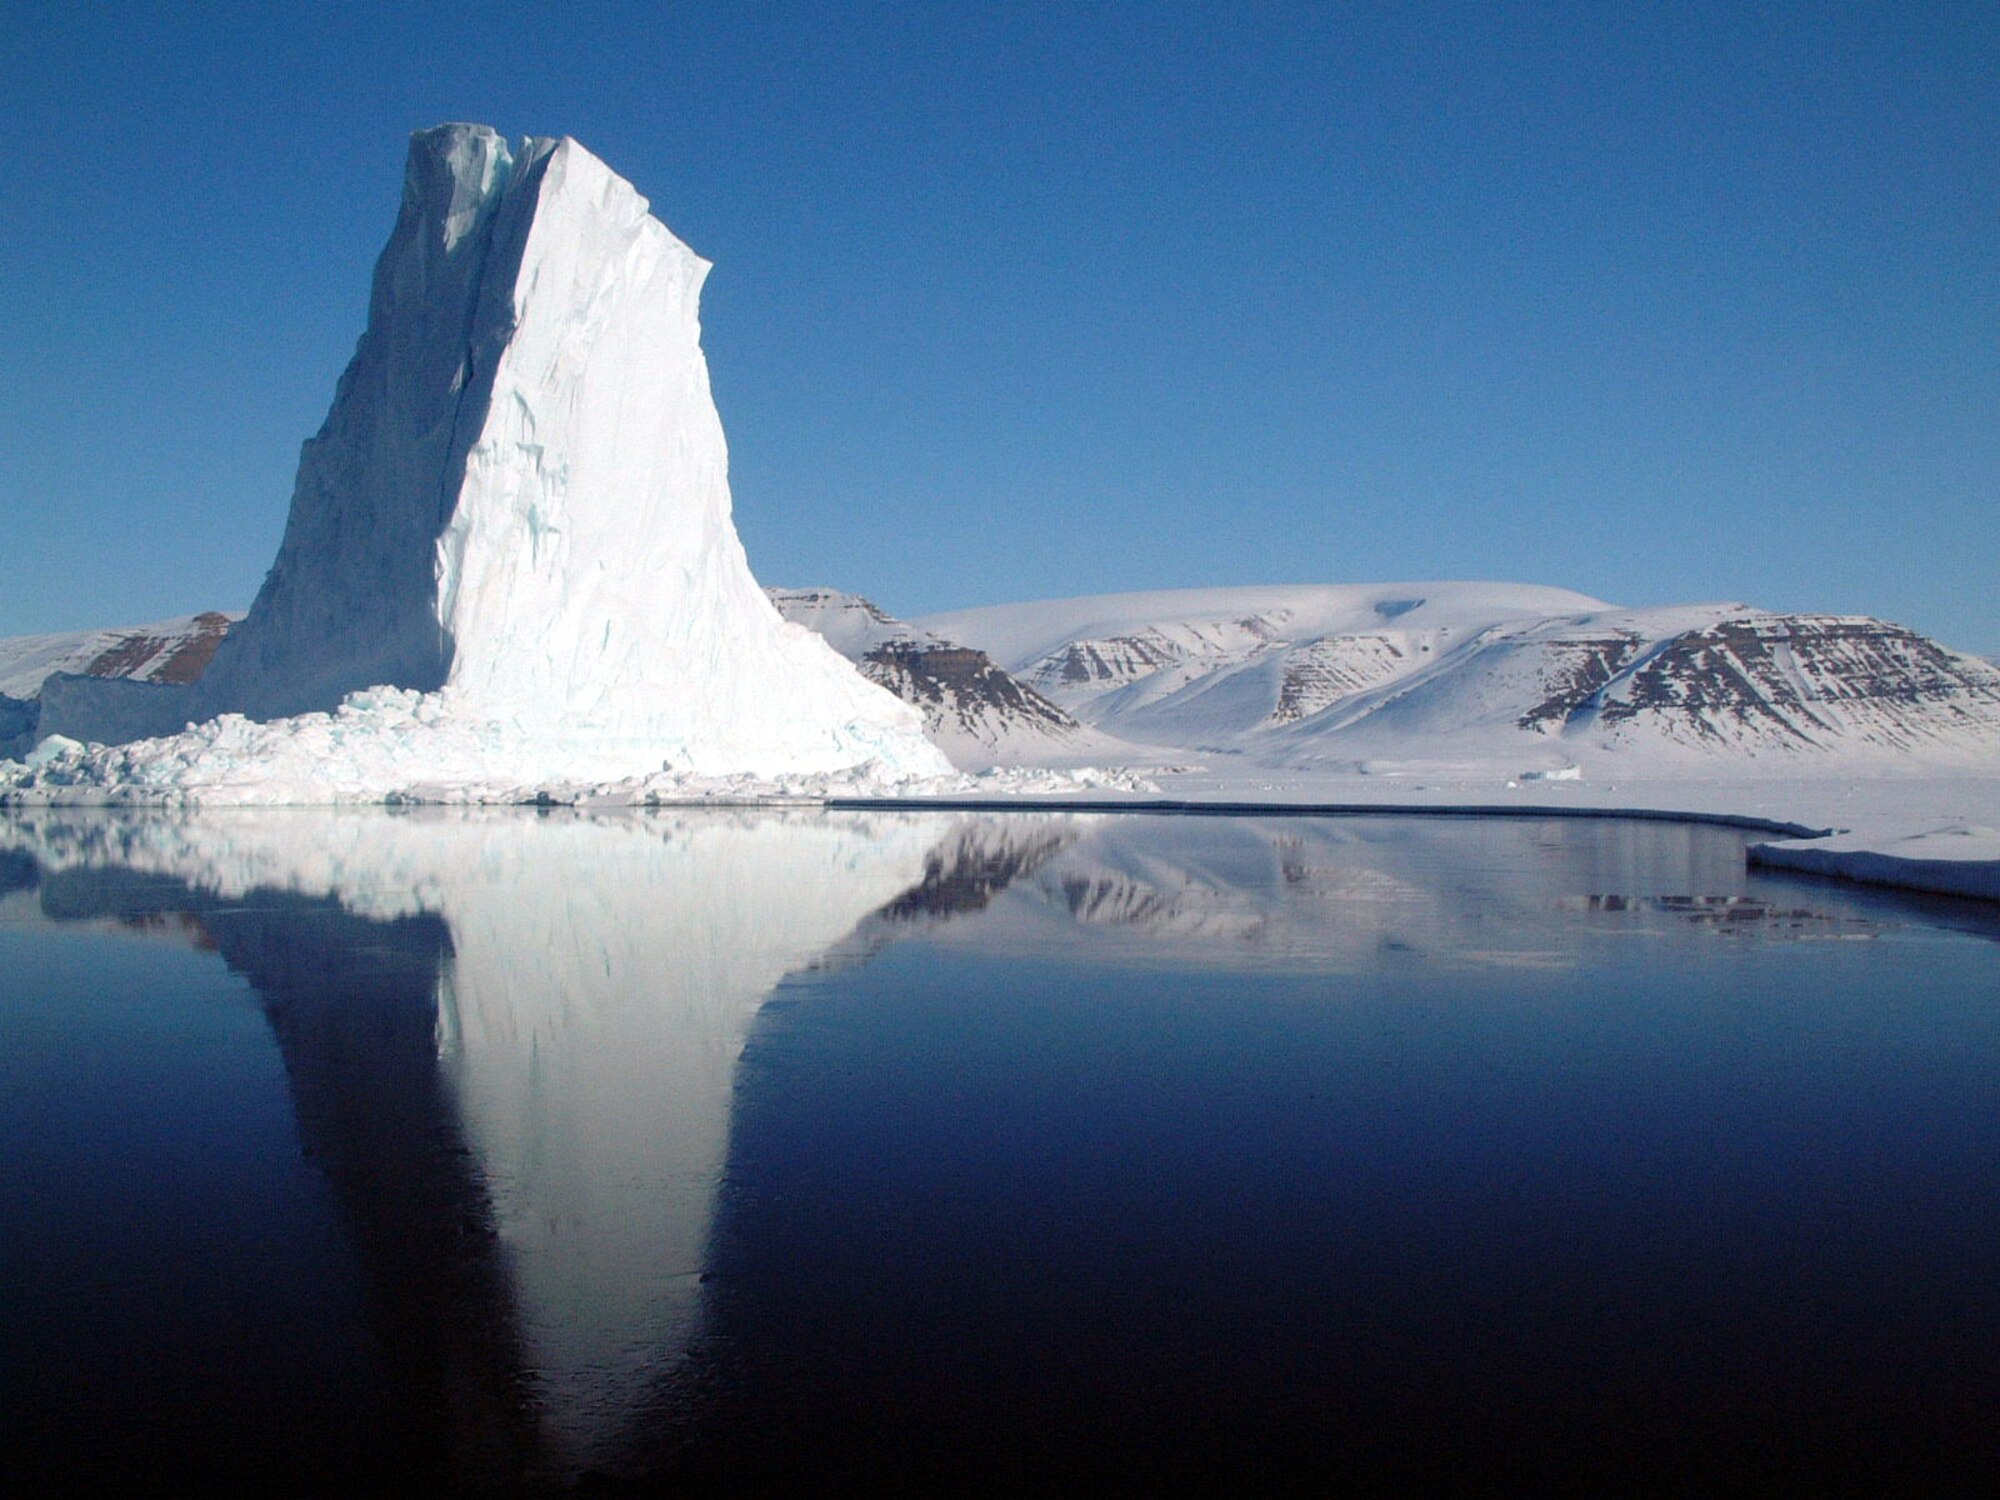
point(350, 601)
point(520, 499)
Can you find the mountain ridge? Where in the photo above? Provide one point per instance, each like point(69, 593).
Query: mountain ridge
point(1305, 675)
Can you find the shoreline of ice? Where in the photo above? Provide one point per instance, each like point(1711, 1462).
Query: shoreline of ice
point(1937, 834)
point(1954, 859)
point(393, 747)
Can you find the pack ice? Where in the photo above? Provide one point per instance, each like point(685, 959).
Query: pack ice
point(509, 559)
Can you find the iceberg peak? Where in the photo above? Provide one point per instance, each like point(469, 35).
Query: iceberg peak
point(519, 501)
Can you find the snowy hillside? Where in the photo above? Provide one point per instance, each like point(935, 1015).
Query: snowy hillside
point(1075, 649)
point(978, 714)
point(134, 675)
point(173, 651)
point(1688, 684)
point(1317, 677)
point(1197, 667)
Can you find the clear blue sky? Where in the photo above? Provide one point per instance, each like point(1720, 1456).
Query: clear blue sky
point(1661, 303)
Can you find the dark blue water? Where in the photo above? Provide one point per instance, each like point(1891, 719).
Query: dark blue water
point(180, 1300)
point(735, 1152)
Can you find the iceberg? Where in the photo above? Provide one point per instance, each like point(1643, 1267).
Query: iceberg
point(514, 532)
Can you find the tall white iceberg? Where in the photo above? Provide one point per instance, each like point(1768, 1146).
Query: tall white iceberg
point(519, 504)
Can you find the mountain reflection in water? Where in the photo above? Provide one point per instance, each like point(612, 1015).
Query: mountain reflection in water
point(513, 1040)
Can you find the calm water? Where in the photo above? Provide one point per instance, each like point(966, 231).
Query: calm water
point(705, 1151)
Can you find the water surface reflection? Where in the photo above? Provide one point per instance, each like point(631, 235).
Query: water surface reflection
point(511, 1041)
point(1131, 1104)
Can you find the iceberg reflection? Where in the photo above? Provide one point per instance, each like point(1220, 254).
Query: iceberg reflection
point(512, 1041)
point(591, 1012)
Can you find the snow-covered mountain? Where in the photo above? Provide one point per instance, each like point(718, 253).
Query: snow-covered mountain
point(166, 655)
point(172, 651)
point(512, 537)
point(978, 714)
point(1699, 679)
point(1306, 676)
point(1199, 667)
